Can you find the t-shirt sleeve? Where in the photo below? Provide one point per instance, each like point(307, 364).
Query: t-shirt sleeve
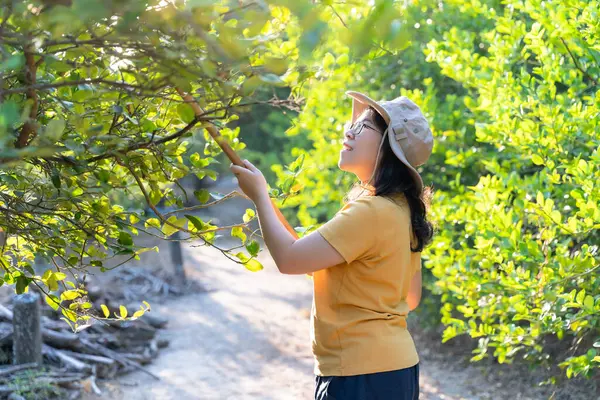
point(351, 232)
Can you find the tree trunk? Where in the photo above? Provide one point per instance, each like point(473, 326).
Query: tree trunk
point(177, 258)
point(27, 330)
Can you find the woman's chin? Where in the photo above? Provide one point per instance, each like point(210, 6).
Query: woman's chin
point(343, 164)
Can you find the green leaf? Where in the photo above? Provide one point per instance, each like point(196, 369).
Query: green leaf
point(59, 276)
point(103, 175)
point(186, 113)
point(251, 264)
point(125, 239)
point(199, 162)
point(172, 225)
point(238, 232)
point(22, 285)
point(15, 61)
point(343, 59)
point(29, 268)
point(54, 130)
point(197, 222)
point(145, 249)
point(70, 295)
point(82, 95)
point(249, 215)
point(70, 315)
point(296, 166)
point(148, 126)
point(328, 60)
point(105, 310)
point(202, 195)
point(152, 222)
point(53, 301)
point(56, 180)
point(123, 311)
point(537, 160)
point(134, 219)
point(51, 282)
point(211, 174)
point(589, 302)
point(47, 274)
point(155, 197)
point(580, 296)
point(539, 198)
point(253, 247)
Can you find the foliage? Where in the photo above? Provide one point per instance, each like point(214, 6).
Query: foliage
point(91, 114)
point(511, 90)
point(527, 268)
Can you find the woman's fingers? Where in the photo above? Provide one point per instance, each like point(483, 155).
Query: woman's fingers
point(250, 166)
point(237, 170)
point(250, 179)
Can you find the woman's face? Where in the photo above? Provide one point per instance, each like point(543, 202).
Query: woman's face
point(359, 152)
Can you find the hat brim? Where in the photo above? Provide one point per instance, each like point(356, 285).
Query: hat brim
point(360, 102)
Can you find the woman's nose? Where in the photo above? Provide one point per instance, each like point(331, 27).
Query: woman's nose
point(349, 134)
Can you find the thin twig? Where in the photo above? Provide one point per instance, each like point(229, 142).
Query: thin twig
point(45, 86)
point(339, 17)
point(201, 206)
point(584, 72)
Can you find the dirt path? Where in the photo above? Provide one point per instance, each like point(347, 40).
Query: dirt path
point(247, 339)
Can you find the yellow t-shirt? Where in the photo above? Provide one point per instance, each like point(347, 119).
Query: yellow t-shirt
point(358, 318)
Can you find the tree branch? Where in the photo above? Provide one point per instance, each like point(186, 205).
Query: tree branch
point(77, 83)
point(200, 206)
point(29, 129)
point(144, 145)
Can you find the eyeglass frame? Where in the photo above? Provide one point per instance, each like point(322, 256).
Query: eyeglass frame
point(352, 127)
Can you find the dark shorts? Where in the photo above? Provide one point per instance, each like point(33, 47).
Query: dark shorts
point(402, 384)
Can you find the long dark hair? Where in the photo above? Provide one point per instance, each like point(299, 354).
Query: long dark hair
point(392, 177)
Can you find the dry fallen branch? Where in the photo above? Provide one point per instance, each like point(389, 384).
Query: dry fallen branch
point(116, 356)
point(11, 370)
point(73, 361)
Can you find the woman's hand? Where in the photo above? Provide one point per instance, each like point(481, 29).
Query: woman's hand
point(251, 181)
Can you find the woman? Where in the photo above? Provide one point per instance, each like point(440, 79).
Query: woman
point(366, 261)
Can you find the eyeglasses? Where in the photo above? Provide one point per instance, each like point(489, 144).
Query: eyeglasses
point(357, 127)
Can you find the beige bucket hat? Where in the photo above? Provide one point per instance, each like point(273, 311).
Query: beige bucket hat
point(408, 131)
